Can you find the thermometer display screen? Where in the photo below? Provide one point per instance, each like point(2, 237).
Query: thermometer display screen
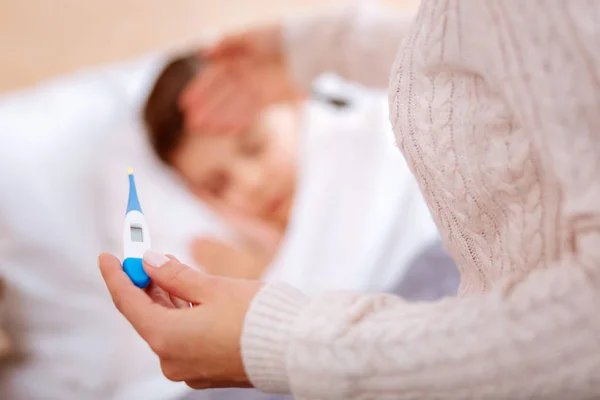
point(137, 235)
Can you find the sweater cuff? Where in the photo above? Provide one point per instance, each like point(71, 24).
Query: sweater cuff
point(267, 332)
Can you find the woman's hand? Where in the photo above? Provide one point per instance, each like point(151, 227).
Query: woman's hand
point(246, 72)
point(159, 296)
point(262, 44)
point(199, 346)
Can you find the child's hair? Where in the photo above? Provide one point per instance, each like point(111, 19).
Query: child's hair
point(162, 115)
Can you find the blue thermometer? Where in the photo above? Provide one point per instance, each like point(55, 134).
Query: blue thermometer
point(136, 238)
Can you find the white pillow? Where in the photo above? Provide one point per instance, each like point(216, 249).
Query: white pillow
point(65, 149)
point(66, 146)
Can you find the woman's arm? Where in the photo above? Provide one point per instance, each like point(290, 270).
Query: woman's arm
point(534, 338)
point(538, 339)
point(358, 43)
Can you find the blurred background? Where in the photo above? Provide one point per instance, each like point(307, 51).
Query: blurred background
point(73, 75)
point(44, 38)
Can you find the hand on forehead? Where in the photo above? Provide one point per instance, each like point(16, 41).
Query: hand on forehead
point(222, 98)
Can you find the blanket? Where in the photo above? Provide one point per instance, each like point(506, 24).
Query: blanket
point(69, 342)
point(356, 222)
point(358, 216)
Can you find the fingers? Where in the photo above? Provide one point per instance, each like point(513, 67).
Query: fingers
point(159, 296)
point(238, 114)
point(232, 45)
point(208, 114)
point(177, 302)
point(220, 99)
point(177, 279)
point(262, 43)
point(237, 83)
point(132, 302)
point(209, 77)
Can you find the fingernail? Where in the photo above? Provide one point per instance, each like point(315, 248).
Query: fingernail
point(155, 259)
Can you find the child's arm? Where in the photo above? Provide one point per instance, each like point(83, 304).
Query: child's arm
point(220, 258)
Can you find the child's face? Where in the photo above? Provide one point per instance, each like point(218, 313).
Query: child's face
point(254, 172)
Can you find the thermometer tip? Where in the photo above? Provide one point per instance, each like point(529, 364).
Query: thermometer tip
point(133, 204)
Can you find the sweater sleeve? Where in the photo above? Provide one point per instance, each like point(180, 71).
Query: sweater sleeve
point(536, 339)
point(357, 42)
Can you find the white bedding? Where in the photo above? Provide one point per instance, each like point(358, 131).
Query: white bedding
point(66, 146)
point(53, 211)
point(358, 217)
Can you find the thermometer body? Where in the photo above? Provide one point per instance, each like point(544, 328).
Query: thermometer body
point(136, 238)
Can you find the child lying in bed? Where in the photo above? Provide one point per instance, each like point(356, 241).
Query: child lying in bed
point(310, 189)
point(249, 178)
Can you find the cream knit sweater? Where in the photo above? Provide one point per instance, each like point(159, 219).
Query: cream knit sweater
point(496, 106)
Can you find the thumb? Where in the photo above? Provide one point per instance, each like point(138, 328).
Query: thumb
point(132, 302)
point(176, 278)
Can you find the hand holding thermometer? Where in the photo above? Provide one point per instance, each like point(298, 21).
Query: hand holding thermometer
point(136, 238)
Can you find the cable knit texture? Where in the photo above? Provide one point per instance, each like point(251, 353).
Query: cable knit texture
point(496, 107)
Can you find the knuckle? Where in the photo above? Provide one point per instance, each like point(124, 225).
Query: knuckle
point(172, 257)
point(175, 272)
point(170, 371)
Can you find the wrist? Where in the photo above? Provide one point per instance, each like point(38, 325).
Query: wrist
point(266, 335)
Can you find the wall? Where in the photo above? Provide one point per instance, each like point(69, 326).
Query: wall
point(42, 38)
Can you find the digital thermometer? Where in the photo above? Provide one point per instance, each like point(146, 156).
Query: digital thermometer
point(136, 238)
